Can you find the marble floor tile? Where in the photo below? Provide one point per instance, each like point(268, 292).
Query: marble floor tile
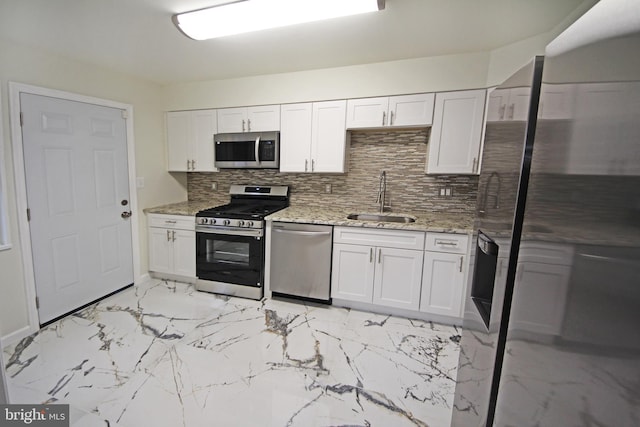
point(164, 354)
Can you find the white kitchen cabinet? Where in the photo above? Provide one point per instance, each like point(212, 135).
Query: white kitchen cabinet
point(393, 111)
point(172, 245)
point(352, 272)
point(443, 274)
point(190, 141)
point(456, 135)
point(261, 118)
point(382, 267)
point(540, 292)
point(313, 137)
point(508, 104)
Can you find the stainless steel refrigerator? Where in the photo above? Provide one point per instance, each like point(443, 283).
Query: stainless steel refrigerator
point(551, 335)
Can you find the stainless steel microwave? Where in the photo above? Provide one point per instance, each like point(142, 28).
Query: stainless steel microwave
point(256, 150)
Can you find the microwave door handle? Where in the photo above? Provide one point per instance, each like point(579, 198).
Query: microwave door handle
point(258, 149)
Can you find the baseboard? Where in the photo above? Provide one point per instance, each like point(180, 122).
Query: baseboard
point(142, 279)
point(16, 336)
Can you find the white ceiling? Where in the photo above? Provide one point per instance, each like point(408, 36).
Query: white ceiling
point(137, 36)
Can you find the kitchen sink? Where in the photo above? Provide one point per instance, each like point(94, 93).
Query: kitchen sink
point(381, 218)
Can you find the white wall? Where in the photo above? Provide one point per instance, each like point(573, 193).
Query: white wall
point(25, 65)
point(441, 73)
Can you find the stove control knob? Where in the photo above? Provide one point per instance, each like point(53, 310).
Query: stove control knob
point(241, 223)
point(249, 224)
point(212, 221)
point(226, 222)
point(202, 220)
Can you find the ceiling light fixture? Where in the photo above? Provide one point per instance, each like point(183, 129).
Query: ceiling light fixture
point(245, 16)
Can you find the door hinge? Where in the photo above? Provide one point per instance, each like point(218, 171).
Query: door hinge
point(21, 119)
point(28, 215)
point(125, 114)
point(37, 302)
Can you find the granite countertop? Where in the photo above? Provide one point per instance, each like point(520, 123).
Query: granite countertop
point(443, 223)
point(181, 208)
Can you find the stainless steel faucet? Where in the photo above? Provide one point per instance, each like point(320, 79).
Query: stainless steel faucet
point(382, 191)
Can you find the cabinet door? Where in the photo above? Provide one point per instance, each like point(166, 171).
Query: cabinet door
point(201, 152)
point(398, 275)
point(442, 283)
point(352, 272)
point(367, 112)
point(497, 105)
point(178, 141)
point(411, 110)
point(295, 137)
point(232, 120)
point(328, 136)
point(454, 144)
point(184, 252)
point(519, 99)
point(160, 250)
point(263, 118)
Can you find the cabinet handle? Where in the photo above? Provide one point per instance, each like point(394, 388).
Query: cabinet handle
point(249, 125)
point(512, 109)
point(502, 110)
point(168, 235)
point(188, 161)
point(243, 125)
point(384, 117)
point(313, 165)
point(170, 222)
point(461, 261)
point(193, 165)
point(379, 256)
point(370, 255)
point(391, 119)
point(306, 165)
point(173, 236)
point(446, 243)
point(475, 164)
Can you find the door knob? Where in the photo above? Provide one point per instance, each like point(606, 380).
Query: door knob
point(125, 215)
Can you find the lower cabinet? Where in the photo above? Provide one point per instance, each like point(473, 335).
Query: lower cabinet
point(442, 283)
point(172, 245)
point(443, 274)
point(382, 267)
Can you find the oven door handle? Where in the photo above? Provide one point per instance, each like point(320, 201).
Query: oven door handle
point(258, 149)
point(231, 231)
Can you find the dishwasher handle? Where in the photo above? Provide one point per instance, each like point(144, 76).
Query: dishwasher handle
point(302, 233)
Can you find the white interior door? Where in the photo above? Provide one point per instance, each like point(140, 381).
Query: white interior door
point(77, 180)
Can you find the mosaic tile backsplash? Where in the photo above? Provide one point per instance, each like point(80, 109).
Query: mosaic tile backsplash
point(401, 153)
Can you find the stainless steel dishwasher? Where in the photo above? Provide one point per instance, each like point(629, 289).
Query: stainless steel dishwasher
point(301, 260)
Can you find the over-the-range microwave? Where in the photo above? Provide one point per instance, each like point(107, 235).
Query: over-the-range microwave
point(256, 150)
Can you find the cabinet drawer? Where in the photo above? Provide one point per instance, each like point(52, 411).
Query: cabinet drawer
point(180, 222)
point(383, 238)
point(447, 242)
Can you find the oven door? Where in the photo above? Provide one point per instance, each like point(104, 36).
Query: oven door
point(235, 257)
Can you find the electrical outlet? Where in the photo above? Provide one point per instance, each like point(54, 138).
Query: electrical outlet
point(214, 185)
point(442, 191)
point(447, 191)
point(327, 188)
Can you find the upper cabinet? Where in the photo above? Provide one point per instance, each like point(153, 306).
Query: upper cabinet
point(509, 104)
point(456, 135)
point(190, 141)
point(249, 119)
point(393, 111)
point(313, 137)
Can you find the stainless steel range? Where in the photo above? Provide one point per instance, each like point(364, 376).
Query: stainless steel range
point(230, 241)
